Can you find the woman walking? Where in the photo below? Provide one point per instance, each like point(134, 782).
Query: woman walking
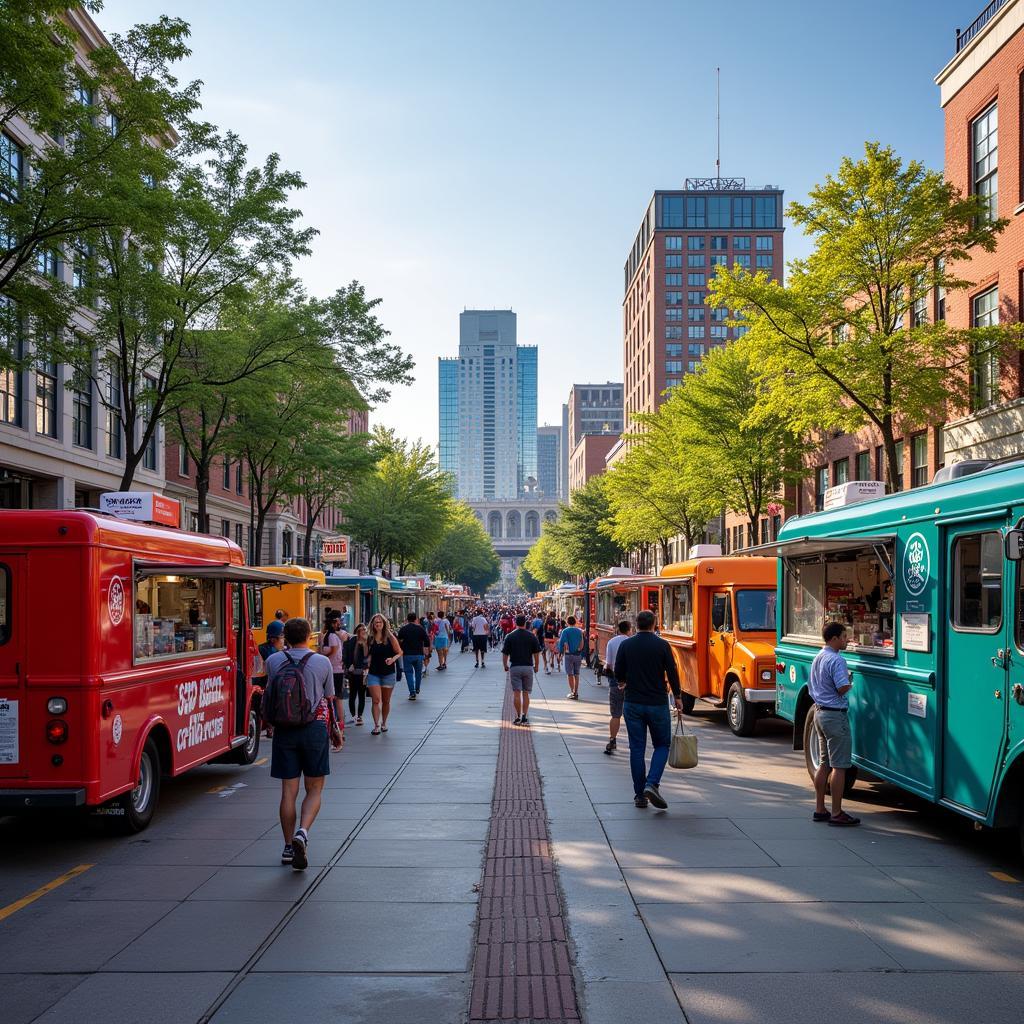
point(442, 640)
point(380, 681)
point(357, 663)
point(332, 646)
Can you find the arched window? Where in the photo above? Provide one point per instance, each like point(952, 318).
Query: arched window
point(550, 516)
point(515, 525)
point(532, 524)
point(494, 525)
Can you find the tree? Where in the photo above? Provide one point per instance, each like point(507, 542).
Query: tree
point(464, 553)
point(542, 562)
point(107, 128)
point(740, 450)
point(834, 343)
point(528, 583)
point(581, 537)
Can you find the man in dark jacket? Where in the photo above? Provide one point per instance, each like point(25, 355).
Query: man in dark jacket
point(415, 649)
point(642, 665)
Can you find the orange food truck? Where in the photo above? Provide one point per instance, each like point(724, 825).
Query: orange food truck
point(619, 595)
point(718, 615)
point(147, 673)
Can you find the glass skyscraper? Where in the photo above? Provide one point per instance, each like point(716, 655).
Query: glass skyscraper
point(549, 458)
point(526, 412)
point(448, 416)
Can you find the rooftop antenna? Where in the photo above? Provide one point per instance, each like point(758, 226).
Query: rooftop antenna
point(718, 122)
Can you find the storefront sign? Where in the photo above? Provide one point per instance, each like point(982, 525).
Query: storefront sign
point(917, 705)
point(915, 632)
point(142, 507)
point(8, 731)
point(852, 492)
point(916, 565)
point(334, 550)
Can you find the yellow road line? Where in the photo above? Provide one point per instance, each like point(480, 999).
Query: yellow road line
point(262, 760)
point(1002, 876)
point(13, 908)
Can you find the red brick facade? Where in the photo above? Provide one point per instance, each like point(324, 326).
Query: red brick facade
point(588, 458)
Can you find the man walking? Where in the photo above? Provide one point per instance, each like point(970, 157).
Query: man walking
point(570, 643)
point(520, 656)
point(828, 685)
point(415, 646)
point(615, 692)
point(299, 705)
point(481, 631)
point(642, 665)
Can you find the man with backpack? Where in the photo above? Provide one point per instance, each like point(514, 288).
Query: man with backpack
point(299, 704)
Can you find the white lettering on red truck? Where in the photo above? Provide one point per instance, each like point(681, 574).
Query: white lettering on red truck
point(193, 697)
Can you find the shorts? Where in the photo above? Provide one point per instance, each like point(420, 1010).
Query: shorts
point(440, 643)
point(386, 681)
point(521, 678)
point(480, 642)
point(616, 698)
point(300, 750)
point(834, 740)
point(572, 664)
point(551, 645)
point(340, 688)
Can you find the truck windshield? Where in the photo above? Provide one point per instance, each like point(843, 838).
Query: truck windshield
point(755, 611)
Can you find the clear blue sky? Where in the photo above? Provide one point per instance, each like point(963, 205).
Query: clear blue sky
point(475, 153)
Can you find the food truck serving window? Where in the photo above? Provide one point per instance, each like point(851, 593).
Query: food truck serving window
point(850, 586)
point(679, 608)
point(176, 615)
point(755, 611)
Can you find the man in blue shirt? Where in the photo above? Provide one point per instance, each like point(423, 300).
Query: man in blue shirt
point(828, 684)
point(570, 642)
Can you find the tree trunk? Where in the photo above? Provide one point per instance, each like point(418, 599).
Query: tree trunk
point(892, 470)
point(308, 541)
point(202, 496)
point(261, 522)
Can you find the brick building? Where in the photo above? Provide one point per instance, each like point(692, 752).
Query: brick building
point(594, 421)
point(588, 458)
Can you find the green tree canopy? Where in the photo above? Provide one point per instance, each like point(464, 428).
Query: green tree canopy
point(581, 537)
point(464, 554)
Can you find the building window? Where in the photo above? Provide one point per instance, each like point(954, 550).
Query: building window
point(695, 298)
point(696, 280)
point(720, 242)
point(984, 352)
point(696, 212)
point(81, 270)
point(671, 211)
point(238, 477)
point(183, 461)
point(115, 442)
point(741, 260)
point(238, 534)
point(46, 262)
point(862, 465)
point(695, 243)
point(720, 313)
point(673, 298)
point(12, 167)
point(765, 261)
point(765, 243)
point(919, 460)
point(673, 332)
point(150, 453)
point(719, 260)
point(673, 280)
point(718, 212)
point(841, 471)
point(919, 309)
point(695, 350)
point(741, 242)
point(765, 211)
point(695, 333)
point(719, 333)
point(674, 242)
point(696, 261)
point(674, 314)
point(695, 313)
point(672, 382)
point(10, 376)
point(81, 410)
point(820, 486)
point(742, 212)
point(899, 466)
point(225, 528)
point(673, 366)
point(691, 365)
point(46, 398)
point(674, 350)
point(940, 445)
point(985, 159)
point(226, 474)
point(673, 260)
point(940, 296)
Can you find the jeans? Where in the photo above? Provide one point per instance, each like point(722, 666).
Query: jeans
point(412, 666)
point(639, 719)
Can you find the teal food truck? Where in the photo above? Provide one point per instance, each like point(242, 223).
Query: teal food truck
point(928, 583)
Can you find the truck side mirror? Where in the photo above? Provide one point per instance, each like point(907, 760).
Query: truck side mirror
point(1014, 545)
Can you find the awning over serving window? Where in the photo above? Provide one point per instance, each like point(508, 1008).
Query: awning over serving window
point(802, 547)
point(206, 571)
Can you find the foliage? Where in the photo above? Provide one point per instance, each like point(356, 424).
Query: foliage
point(581, 543)
point(527, 581)
point(464, 554)
point(542, 565)
point(833, 343)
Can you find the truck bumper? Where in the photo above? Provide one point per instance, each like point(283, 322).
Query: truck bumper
point(760, 696)
point(13, 799)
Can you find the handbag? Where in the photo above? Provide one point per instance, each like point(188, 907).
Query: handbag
point(683, 751)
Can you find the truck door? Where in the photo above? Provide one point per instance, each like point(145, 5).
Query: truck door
point(720, 641)
point(13, 702)
point(977, 663)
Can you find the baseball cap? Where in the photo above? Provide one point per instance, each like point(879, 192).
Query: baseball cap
point(275, 629)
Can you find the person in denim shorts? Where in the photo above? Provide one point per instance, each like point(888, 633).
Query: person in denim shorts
point(828, 685)
point(616, 693)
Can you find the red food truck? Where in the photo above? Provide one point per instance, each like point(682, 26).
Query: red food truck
point(125, 655)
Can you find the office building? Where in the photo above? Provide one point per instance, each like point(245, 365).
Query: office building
point(684, 237)
point(448, 416)
point(549, 461)
point(526, 414)
point(563, 479)
point(594, 424)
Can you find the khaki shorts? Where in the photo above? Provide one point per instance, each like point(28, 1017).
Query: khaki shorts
point(521, 678)
point(834, 740)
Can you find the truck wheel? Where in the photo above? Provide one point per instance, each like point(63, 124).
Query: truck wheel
point(139, 804)
point(249, 751)
point(742, 716)
point(812, 754)
point(689, 702)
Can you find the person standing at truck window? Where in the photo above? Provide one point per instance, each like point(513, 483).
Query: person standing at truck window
point(615, 691)
point(643, 663)
point(828, 685)
point(303, 750)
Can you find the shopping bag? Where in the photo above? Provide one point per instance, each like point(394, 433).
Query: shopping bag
point(683, 751)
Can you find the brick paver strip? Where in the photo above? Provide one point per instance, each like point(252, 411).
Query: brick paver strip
point(521, 971)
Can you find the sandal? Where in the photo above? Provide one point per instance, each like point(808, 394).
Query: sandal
point(383, 728)
point(375, 731)
point(842, 819)
point(821, 816)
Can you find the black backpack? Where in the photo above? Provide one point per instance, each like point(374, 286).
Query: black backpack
point(286, 702)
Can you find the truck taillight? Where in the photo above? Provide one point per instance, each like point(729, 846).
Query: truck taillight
point(57, 730)
point(779, 667)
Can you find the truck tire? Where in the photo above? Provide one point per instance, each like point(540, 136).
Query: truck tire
point(742, 715)
point(250, 750)
point(138, 805)
point(812, 755)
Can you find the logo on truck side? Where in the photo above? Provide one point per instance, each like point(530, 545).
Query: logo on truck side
point(916, 565)
point(115, 601)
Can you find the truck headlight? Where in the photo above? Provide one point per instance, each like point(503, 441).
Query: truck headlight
point(56, 705)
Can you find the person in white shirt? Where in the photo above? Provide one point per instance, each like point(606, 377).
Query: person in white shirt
point(615, 692)
point(481, 632)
